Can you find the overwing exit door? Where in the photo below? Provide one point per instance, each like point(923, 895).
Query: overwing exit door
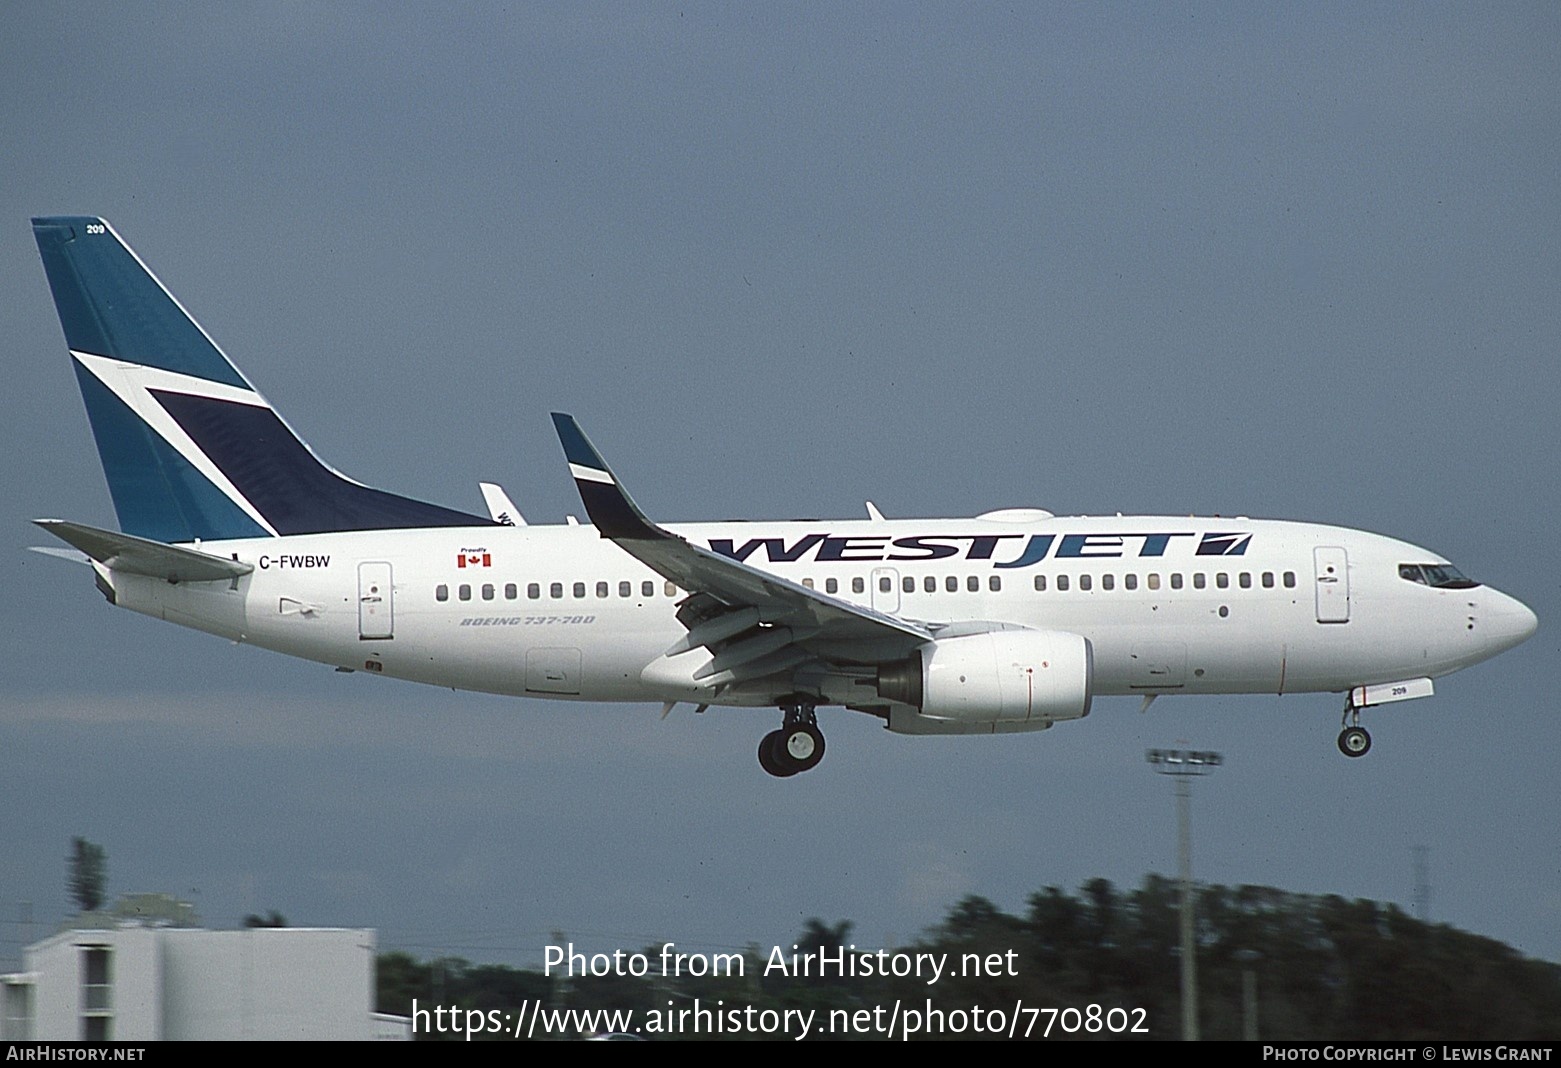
point(885, 590)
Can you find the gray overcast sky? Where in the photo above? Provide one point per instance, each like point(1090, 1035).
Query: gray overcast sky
point(1296, 261)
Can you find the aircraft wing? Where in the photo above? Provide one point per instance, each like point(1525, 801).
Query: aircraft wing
point(814, 617)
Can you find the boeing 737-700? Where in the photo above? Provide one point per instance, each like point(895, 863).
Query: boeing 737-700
point(1004, 622)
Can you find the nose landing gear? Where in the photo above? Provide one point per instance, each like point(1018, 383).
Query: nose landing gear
point(1353, 739)
point(797, 747)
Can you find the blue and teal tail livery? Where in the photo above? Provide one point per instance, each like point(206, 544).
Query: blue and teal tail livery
point(190, 449)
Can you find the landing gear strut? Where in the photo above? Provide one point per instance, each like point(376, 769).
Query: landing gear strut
point(798, 746)
point(1353, 739)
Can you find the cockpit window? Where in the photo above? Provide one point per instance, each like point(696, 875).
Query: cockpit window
point(1442, 576)
point(1447, 577)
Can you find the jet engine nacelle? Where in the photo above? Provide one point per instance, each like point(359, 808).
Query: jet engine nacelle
point(1030, 677)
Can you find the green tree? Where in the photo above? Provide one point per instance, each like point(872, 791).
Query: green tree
point(817, 935)
point(88, 872)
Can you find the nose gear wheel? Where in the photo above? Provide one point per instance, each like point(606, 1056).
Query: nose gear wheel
point(1354, 741)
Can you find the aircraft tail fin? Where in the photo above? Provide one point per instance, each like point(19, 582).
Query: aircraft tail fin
point(190, 449)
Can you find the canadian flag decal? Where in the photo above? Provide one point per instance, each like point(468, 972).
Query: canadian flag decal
point(474, 560)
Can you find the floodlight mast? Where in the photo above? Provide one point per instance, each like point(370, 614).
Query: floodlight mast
point(1183, 765)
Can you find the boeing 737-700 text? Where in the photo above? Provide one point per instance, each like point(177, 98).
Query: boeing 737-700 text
point(1005, 622)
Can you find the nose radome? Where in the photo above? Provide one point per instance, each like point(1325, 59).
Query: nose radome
point(1529, 622)
point(1511, 621)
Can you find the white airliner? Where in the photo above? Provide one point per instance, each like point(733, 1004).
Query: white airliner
point(1005, 622)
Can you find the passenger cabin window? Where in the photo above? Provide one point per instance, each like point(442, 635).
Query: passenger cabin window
point(511, 591)
point(625, 589)
point(647, 588)
point(973, 583)
point(929, 584)
point(533, 590)
point(1040, 583)
point(579, 589)
point(1130, 581)
point(556, 590)
point(951, 583)
point(1268, 580)
point(831, 585)
point(995, 583)
point(1153, 581)
point(1222, 580)
point(808, 583)
point(1289, 580)
point(1086, 582)
point(1108, 581)
point(1199, 580)
point(1246, 580)
point(859, 586)
point(487, 591)
point(907, 584)
point(886, 584)
point(1062, 582)
point(601, 589)
point(441, 592)
point(1176, 580)
point(464, 592)
point(672, 590)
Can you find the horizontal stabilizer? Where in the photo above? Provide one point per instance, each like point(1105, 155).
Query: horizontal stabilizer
point(73, 555)
point(138, 556)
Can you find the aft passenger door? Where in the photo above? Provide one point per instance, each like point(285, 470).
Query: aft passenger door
point(1333, 584)
point(376, 608)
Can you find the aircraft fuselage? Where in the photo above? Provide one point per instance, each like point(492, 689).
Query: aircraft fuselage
point(1169, 605)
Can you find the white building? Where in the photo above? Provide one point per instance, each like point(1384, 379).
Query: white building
point(151, 983)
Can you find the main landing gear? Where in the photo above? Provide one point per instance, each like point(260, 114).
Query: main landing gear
point(1353, 739)
point(798, 746)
